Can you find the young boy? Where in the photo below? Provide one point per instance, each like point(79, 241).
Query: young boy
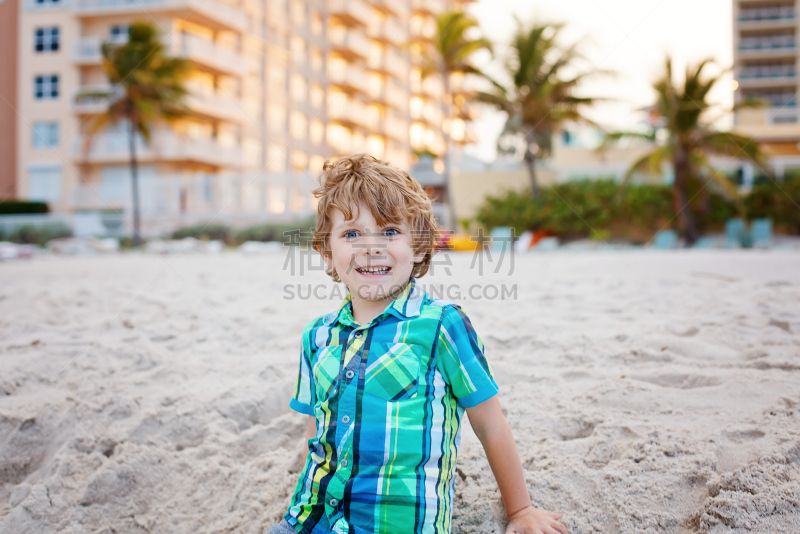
point(386, 378)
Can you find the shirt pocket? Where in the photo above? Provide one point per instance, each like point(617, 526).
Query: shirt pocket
point(394, 373)
point(326, 371)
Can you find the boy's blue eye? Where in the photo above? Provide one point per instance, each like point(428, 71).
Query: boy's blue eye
point(392, 230)
point(349, 232)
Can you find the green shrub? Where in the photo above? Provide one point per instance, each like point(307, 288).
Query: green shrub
point(776, 201)
point(205, 232)
point(599, 209)
point(38, 234)
point(22, 207)
point(298, 233)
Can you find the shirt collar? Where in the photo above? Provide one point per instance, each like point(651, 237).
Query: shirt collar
point(405, 306)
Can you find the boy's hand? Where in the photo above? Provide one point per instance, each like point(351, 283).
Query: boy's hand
point(531, 520)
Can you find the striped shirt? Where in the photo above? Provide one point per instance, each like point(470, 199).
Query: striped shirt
point(388, 398)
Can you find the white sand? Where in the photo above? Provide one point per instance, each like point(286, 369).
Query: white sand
point(648, 392)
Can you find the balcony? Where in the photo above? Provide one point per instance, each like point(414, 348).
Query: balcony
point(428, 7)
point(396, 128)
point(391, 63)
point(395, 96)
point(782, 116)
point(165, 145)
point(392, 31)
point(207, 55)
point(88, 100)
point(766, 13)
point(349, 77)
point(210, 13)
point(757, 47)
point(350, 12)
point(89, 50)
point(215, 105)
point(352, 113)
point(399, 8)
point(349, 43)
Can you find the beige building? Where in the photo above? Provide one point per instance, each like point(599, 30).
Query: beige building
point(278, 87)
point(766, 67)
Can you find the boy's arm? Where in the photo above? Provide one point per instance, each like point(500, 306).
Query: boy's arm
point(491, 427)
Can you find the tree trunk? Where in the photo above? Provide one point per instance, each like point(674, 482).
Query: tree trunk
point(451, 213)
point(680, 202)
point(137, 238)
point(530, 163)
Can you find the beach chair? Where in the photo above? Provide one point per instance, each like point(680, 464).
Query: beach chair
point(524, 242)
point(735, 233)
point(665, 240)
point(501, 238)
point(761, 231)
point(547, 244)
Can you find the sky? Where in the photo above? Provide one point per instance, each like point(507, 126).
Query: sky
point(630, 37)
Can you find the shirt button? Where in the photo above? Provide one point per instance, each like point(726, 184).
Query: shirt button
point(346, 419)
point(344, 463)
point(358, 334)
point(349, 374)
point(333, 502)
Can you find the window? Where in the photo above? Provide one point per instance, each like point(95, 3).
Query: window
point(47, 3)
point(45, 134)
point(44, 183)
point(317, 95)
point(298, 87)
point(119, 33)
point(316, 23)
point(297, 125)
point(298, 12)
point(298, 47)
point(45, 87)
point(316, 131)
point(45, 39)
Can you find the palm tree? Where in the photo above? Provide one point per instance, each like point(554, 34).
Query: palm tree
point(449, 53)
point(540, 98)
point(690, 140)
point(147, 87)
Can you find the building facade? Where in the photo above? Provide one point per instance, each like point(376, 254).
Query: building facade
point(766, 67)
point(277, 87)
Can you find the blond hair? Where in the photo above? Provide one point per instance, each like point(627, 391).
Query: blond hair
point(390, 194)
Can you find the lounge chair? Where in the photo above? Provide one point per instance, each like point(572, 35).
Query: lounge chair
point(735, 233)
point(665, 239)
point(761, 230)
point(547, 243)
point(501, 238)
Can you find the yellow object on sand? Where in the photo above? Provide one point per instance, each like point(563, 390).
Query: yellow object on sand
point(462, 242)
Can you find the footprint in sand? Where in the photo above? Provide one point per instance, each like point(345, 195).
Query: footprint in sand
point(680, 381)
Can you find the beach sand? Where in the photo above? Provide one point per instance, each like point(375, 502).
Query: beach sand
point(648, 391)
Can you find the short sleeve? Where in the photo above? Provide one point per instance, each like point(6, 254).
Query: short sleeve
point(305, 397)
point(461, 360)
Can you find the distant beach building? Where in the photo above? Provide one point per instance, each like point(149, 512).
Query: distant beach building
point(278, 87)
point(765, 67)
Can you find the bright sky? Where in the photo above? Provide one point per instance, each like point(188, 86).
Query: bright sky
point(631, 37)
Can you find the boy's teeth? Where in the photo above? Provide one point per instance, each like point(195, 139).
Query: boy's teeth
point(374, 271)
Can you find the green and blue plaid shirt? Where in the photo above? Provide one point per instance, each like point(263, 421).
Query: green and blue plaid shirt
point(388, 398)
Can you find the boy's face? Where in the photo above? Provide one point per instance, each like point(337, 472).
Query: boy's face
point(359, 244)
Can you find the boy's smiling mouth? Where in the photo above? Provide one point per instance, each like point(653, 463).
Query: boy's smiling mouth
point(379, 270)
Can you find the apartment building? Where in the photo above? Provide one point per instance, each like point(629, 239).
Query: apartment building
point(277, 87)
point(766, 67)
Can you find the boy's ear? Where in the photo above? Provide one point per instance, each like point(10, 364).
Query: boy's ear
point(327, 260)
